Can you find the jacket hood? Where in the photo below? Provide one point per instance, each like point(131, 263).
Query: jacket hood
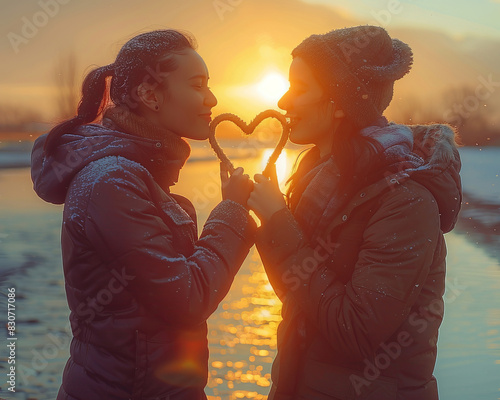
point(52, 174)
point(427, 154)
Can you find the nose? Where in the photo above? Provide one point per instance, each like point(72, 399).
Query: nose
point(284, 102)
point(210, 99)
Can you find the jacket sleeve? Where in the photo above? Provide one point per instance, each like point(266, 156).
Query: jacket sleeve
point(126, 228)
point(394, 260)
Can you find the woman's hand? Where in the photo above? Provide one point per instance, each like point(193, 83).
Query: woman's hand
point(266, 197)
point(236, 187)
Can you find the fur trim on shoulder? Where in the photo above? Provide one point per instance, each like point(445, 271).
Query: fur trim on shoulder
point(435, 143)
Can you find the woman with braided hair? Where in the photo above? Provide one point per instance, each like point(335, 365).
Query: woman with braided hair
point(356, 251)
point(140, 284)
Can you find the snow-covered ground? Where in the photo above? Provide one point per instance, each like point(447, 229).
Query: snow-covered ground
point(481, 173)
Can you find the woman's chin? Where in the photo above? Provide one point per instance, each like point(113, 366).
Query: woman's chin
point(198, 134)
point(298, 136)
point(203, 135)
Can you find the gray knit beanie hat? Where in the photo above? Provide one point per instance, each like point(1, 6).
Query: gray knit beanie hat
point(357, 67)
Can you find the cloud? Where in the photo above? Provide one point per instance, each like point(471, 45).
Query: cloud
point(239, 43)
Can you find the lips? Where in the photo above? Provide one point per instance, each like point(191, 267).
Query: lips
point(207, 117)
point(292, 120)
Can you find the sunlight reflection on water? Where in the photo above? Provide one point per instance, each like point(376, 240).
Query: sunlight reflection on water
point(242, 336)
point(242, 332)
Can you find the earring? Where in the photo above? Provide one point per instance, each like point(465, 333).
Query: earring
point(331, 101)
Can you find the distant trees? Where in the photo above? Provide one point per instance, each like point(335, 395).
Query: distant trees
point(66, 85)
point(17, 119)
point(461, 107)
point(472, 115)
point(14, 118)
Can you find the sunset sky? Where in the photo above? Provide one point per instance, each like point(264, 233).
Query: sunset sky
point(245, 43)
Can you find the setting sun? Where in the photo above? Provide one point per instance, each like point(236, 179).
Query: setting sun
point(272, 86)
point(261, 90)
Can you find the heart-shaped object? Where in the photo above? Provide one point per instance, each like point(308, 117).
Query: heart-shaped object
point(248, 129)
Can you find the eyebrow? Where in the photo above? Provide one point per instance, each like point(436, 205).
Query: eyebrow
point(200, 76)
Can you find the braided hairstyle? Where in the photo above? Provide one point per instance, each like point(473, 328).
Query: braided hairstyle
point(140, 60)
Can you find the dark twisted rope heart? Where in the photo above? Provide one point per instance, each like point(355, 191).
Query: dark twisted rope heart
point(248, 130)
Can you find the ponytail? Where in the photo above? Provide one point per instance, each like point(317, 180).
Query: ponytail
point(90, 107)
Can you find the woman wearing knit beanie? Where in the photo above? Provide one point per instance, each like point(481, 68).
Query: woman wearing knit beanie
point(140, 284)
point(356, 250)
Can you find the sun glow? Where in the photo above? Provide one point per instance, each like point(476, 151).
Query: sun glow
point(271, 87)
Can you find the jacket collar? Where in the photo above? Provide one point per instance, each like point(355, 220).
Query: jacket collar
point(52, 173)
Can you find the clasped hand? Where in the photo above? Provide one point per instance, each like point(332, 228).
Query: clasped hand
point(262, 196)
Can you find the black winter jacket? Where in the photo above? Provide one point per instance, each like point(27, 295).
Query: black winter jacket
point(140, 284)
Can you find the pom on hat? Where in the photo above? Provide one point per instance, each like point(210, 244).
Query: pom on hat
point(399, 67)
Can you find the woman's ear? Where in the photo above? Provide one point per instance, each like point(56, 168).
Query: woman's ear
point(339, 114)
point(148, 96)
